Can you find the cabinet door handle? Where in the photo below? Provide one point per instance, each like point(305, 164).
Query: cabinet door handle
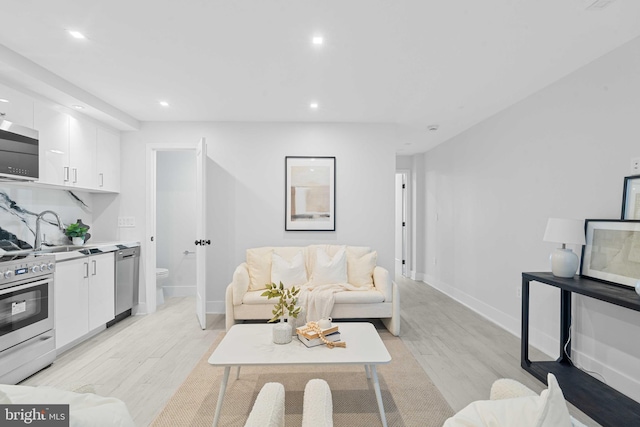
point(94, 267)
point(86, 270)
point(66, 174)
point(75, 175)
point(101, 180)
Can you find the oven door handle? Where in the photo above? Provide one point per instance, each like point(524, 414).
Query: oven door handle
point(25, 286)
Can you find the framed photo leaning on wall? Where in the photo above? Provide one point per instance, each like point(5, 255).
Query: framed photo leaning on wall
point(631, 198)
point(612, 251)
point(310, 193)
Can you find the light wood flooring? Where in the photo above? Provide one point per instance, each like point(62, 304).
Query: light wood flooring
point(142, 360)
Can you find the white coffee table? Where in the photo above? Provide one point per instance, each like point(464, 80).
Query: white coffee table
point(252, 345)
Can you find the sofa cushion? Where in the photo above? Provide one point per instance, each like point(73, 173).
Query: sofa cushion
point(360, 267)
point(547, 410)
point(259, 265)
point(329, 270)
point(347, 297)
point(292, 273)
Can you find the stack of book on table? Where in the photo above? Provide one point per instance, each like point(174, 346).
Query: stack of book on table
point(311, 338)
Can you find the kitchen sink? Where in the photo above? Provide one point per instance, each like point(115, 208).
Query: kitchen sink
point(57, 249)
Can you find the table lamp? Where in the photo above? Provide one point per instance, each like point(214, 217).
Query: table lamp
point(564, 262)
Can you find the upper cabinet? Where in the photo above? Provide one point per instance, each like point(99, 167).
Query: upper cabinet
point(16, 107)
point(75, 152)
point(82, 153)
point(53, 129)
point(108, 161)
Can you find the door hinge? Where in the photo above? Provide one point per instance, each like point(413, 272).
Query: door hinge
point(404, 186)
point(404, 224)
point(404, 262)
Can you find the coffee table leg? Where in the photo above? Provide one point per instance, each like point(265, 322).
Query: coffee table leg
point(238, 373)
point(223, 389)
point(376, 386)
point(366, 369)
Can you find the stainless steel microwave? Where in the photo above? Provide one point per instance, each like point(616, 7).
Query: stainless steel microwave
point(18, 152)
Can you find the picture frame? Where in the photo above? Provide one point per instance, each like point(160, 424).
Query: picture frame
point(612, 251)
point(310, 193)
point(631, 198)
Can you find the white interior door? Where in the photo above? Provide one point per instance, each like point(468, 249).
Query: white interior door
point(202, 242)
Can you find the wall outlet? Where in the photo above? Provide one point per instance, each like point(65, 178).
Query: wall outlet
point(519, 293)
point(635, 166)
point(126, 221)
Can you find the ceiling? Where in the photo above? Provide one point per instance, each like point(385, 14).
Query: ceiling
point(414, 63)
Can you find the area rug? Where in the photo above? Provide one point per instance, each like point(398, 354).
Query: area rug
point(409, 396)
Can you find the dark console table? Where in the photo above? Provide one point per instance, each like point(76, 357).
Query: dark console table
point(596, 399)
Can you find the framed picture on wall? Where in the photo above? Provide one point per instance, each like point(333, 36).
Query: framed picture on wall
point(631, 198)
point(612, 251)
point(310, 193)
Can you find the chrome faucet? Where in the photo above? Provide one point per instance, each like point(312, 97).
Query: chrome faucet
point(38, 243)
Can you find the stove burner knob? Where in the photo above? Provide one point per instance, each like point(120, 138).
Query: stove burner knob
point(51, 266)
point(8, 274)
point(43, 267)
point(35, 269)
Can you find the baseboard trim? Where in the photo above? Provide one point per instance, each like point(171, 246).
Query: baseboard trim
point(215, 307)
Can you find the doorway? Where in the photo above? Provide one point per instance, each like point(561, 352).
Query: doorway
point(176, 224)
point(159, 177)
point(401, 224)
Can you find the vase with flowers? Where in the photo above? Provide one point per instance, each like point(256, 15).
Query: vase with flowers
point(287, 300)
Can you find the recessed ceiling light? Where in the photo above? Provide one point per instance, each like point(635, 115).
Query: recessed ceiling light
point(78, 107)
point(432, 128)
point(76, 34)
point(317, 40)
point(313, 105)
point(164, 103)
point(4, 100)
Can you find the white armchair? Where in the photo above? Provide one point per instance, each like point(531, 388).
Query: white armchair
point(268, 409)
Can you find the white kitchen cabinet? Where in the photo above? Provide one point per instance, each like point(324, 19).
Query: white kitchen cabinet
point(18, 109)
point(101, 289)
point(53, 128)
point(84, 296)
point(71, 296)
point(82, 153)
point(108, 161)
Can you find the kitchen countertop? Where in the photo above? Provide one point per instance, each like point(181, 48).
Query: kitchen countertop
point(92, 248)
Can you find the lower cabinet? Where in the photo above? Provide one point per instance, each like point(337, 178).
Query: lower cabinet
point(84, 296)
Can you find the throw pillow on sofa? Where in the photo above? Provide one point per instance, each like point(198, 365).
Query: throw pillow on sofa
point(329, 271)
point(291, 273)
point(259, 266)
point(360, 268)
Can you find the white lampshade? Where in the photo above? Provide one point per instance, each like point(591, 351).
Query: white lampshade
point(561, 230)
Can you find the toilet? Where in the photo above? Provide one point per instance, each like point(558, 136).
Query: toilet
point(162, 274)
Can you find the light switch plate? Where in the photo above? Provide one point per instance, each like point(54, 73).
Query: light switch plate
point(126, 221)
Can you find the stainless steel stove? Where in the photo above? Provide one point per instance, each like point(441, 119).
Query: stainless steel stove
point(27, 341)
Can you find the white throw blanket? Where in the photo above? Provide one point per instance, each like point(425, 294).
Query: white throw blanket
point(317, 301)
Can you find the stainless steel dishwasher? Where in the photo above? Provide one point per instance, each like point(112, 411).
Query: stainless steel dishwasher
point(127, 278)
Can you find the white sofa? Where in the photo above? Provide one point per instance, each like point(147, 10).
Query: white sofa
point(85, 409)
point(512, 403)
point(377, 295)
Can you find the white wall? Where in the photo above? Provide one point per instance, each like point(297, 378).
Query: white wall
point(176, 220)
point(246, 186)
point(562, 152)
